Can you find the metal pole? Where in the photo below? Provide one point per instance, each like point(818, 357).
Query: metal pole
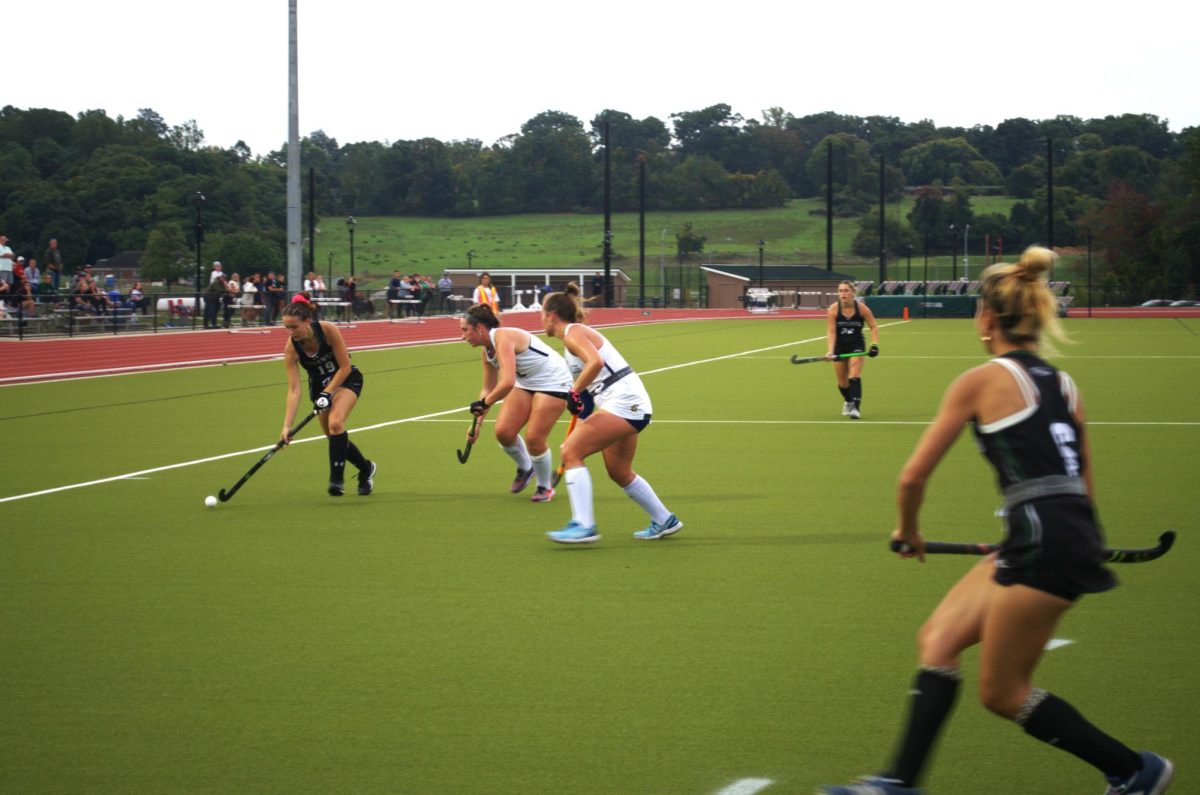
point(608, 291)
point(761, 282)
point(882, 230)
point(829, 205)
point(199, 245)
point(295, 254)
point(966, 257)
point(1089, 266)
point(641, 229)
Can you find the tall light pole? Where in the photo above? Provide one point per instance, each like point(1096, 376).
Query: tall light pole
point(662, 270)
point(641, 229)
point(199, 199)
point(761, 245)
point(966, 256)
point(350, 224)
point(953, 240)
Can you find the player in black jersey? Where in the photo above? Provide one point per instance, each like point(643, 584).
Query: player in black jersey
point(1030, 421)
point(334, 386)
point(847, 316)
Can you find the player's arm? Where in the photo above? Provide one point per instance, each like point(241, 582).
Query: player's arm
point(869, 317)
point(502, 382)
point(957, 408)
point(831, 330)
point(581, 345)
point(292, 365)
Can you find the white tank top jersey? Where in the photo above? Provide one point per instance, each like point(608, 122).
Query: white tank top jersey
point(539, 367)
point(626, 397)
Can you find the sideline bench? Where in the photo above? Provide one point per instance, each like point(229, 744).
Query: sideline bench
point(397, 304)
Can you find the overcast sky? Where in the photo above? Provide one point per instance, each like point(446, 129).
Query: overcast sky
point(377, 71)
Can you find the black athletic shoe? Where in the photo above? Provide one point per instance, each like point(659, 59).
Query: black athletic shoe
point(366, 480)
point(336, 488)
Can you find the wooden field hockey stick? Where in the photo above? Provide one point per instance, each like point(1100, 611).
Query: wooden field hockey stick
point(463, 455)
point(1165, 542)
point(224, 495)
point(810, 359)
point(558, 473)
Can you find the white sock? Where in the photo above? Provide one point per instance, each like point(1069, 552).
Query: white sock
point(640, 492)
point(543, 469)
point(518, 453)
point(579, 489)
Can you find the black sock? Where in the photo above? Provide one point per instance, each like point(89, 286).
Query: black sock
point(845, 390)
point(933, 697)
point(356, 458)
point(1054, 721)
point(337, 456)
point(856, 390)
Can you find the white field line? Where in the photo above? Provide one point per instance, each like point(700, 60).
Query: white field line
point(209, 459)
point(434, 415)
point(1057, 643)
point(746, 786)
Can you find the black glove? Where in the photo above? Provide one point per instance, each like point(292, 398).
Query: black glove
point(575, 403)
point(479, 407)
point(323, 401)
point(873, 351)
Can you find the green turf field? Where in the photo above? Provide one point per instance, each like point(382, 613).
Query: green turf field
point(429, 639)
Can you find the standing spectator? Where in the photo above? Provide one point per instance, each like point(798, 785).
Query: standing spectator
point(271, 303)
point(216, 271)
point(32, 274)
point(598, 287)
point(321, 289)
point(445, 289)
point(233, 295)
point(394, 285)
point(54, 262)
point(212, 300)
point(427, 293)
point(18, 270)
point(486, 294)
point(6, 261)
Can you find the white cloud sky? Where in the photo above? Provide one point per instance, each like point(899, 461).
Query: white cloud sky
point(455, 70)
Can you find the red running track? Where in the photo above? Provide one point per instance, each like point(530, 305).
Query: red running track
point(43, 359)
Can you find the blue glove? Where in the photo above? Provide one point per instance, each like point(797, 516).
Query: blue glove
point(575, 403)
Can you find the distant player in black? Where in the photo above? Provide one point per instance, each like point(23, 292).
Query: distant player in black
point(1029, 419)
point(334, 386)
point(846, 320)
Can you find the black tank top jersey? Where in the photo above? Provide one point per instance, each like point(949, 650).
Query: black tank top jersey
point(321, 366)
point(849, 329)
point(1042, 444)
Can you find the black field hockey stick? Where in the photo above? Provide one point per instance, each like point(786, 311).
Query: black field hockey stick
point(463, 455)
point(811, 359)
point(558, 473)
point(1165, 542)
point(224, 495)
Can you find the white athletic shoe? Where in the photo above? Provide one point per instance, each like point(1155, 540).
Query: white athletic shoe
point(854, 412)
point(846, 408)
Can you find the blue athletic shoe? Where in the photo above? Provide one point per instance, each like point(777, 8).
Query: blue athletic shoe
point(1153, 779)
point(574, 533)
point(871, 785)
point(656, 530)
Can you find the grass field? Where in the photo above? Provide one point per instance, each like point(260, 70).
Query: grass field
point(428, 639)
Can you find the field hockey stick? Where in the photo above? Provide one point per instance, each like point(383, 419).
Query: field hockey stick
point(558, 473)
point(1165, 542)
point(224, 495)
point(811, 359)
point(463, 455)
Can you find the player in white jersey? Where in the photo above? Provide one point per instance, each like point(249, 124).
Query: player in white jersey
point(612, 407)
point(533, 381)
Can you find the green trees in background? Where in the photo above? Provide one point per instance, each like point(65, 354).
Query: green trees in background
point(101, 185)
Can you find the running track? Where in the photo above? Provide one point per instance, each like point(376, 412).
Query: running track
point(42, 359)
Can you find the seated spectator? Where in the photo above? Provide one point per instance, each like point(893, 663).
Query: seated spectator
point(46, 291)
point(32, 274)
point(137, 299)
point(83, 299)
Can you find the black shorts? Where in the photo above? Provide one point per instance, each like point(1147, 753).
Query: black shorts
point(353, 382)
point(849, 346)
point(1054, 545)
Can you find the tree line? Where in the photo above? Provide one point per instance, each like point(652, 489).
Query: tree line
point(102, 185)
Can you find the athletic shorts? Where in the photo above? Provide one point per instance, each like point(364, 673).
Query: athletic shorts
point(1054, 545)
point(841, 348)
point(353, 382)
